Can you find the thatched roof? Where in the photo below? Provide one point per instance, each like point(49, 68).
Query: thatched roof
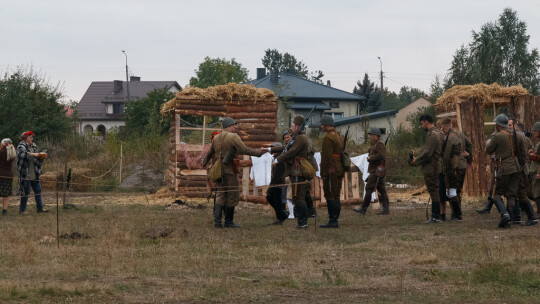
point(480, 91)
point(230, 91)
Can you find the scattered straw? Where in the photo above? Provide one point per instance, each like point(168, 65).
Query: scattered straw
point(481, 91)
point(227, 92)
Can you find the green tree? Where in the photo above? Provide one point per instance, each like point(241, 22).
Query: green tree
point(408, 95)
point(216, 71)
point(372, 94)
point(498, 53)
point(277, 62)
point(143, 116)
point(436, 89)
point(29, 102)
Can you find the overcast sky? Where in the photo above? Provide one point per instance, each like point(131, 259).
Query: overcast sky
point(77, 42)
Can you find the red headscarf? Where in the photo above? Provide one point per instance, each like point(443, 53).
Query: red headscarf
point(214, 135)
point(26, 134)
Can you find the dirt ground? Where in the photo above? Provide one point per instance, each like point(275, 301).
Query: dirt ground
point(126, 248)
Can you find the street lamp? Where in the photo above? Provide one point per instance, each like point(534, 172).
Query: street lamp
point(127, 78)
point(382, 86)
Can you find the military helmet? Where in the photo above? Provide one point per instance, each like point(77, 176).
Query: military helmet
point(327, 120)
point(501, 120)
point(227, 122)
point(375, 131)
point(536, 126)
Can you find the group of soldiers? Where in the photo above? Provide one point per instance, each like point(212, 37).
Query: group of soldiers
point(515, 163)
point(443, 159)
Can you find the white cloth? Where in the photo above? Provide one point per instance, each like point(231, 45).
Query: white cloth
point(261, 171)
point(362, 164)
point(291, 208)
point(318, 160)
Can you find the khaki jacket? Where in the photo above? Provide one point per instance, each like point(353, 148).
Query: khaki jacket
point(227, 141)
point(430, 158)
point(299, 148)
point(502, 145)
point(376, 156)
point(466, 145)
point(332, 147)
point(451, 150)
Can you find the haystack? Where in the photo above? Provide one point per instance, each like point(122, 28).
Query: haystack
point(480, 91)
point(80, 180)
point(228, 92)
point(49, 181)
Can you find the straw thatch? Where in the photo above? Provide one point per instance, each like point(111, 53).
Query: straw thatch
point(228, 91)
point(482, 92)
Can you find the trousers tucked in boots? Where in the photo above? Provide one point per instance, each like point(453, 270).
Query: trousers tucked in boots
point(300, 212)
point(218, 211)
point(505, 217)
point(334, 209)
point(229, 216)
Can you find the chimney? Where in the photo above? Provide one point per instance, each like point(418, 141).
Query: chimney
point(117, 86)
point(328, 83)
point(261, 72)
point(134, 78)
point(274, 77)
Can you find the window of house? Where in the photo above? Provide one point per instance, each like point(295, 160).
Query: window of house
point(118, 108)
point(336, 115)
point(333, 104)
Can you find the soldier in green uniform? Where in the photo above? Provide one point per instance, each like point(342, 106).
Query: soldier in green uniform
point(501, 145)
point(451, 153)
point(227, 145)
point(430, 160)
point(465, 157)
point(331, 170)
point(375, 180)
point(290, 159)
point(534, 172)
point(524, 144)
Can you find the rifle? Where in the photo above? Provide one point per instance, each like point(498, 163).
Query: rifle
point(345, 138)
point(301, 128)
point(386, 140)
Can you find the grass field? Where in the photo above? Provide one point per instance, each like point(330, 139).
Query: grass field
point(370, 259)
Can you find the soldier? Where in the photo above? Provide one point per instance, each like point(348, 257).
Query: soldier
point(331, 170)
point(451, 151)
point(227, 145)
point(375, 179)
point(430, 160)
point(523, 144)
point(501, 144)
point(290, 160)
point(534, 172)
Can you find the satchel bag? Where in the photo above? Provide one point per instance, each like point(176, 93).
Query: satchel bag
point(308, 172)
point(346, 161)
point(215, 173)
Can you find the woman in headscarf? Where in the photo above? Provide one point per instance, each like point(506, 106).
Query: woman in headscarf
point(29, 171)
point(7, 156)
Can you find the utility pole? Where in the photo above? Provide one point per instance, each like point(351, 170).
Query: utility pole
point(382, 85)
point(127, 78)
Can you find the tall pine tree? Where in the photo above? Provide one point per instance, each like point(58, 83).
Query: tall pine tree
point(372, 94)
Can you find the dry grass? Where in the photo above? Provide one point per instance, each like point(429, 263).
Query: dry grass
point(480, 91)
point(369, 259)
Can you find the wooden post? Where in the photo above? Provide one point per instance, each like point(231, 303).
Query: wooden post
point(245, 180)
point(204, 130)
point(57, 222)
point(65, 185)
point(120, 173)
point(354, 182)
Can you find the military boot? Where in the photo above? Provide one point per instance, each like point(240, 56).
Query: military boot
point(505, 217)
point(310, 208)
point(529, 210)
point(229, 218)
point(516, 214)
point(218, 210)
point(385, 207)
point(300, 212)
point(487, 207)
point(333, 214)
point(457, 215)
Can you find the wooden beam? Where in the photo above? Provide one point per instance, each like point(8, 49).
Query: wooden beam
point(193, 172)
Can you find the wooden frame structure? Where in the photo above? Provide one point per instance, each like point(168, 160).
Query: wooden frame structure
point(469, 113)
